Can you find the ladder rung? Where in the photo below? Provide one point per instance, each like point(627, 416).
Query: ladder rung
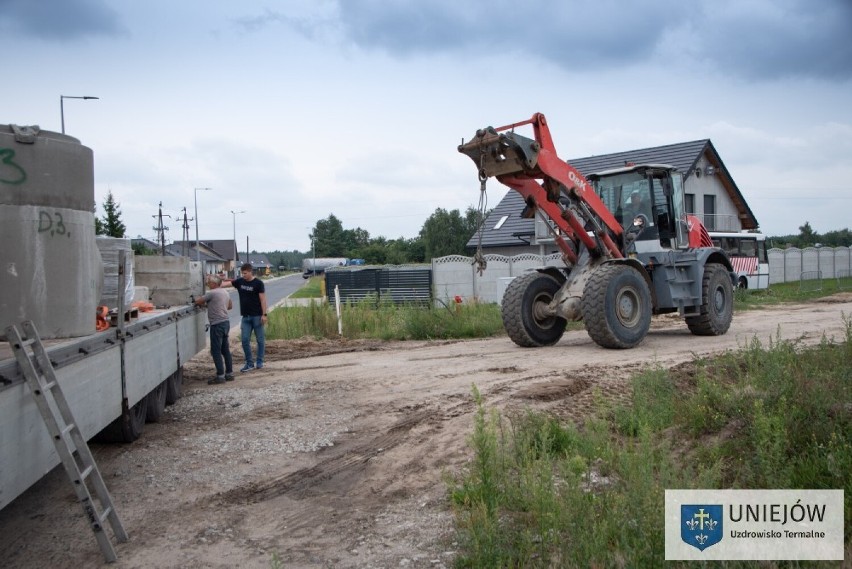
point(85, 474)
point(68, 428)
point(105, 514)
point(49, 386)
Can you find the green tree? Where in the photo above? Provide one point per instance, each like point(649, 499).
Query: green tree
point(374, 253)
point(329, 238)
point(447, 232)
point(140, 249)
point(111, 224)
point(99, 227)
point(807, 236)
point(837, 238)
point(355, 239)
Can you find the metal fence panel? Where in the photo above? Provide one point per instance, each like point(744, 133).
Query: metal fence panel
point(398, 284)
point(810, 281)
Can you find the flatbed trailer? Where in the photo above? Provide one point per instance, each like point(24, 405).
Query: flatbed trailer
point(113, 380)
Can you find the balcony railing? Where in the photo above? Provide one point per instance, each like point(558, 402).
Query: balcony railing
point(719, 222)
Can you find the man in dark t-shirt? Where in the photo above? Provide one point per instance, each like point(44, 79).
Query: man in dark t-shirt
point(253, 310)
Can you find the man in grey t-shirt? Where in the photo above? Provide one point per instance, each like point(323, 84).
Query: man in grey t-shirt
point(218, 303)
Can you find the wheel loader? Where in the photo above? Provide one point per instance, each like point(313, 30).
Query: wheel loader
point(629, 248)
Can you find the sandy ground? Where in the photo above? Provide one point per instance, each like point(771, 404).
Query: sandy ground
point(334, 454)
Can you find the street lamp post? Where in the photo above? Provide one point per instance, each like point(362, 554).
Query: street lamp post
point(62, 106)
point(197, 248)
point(236, 247)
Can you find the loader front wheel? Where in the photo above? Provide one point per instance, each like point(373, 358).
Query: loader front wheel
point(717, 303)
point(524, 311)
point(617, 306)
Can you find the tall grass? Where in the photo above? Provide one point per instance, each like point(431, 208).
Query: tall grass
point(544, 493)
point(785, 292)
point(368, 319)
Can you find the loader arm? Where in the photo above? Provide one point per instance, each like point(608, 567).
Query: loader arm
point(533, 169)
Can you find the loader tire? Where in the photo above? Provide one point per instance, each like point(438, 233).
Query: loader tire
point(717, 303)
point(522, 312)
point(127, 427)
point(617, 306)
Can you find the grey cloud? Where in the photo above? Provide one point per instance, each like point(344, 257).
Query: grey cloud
point(791, 38)
point(578, 35)
point(59, 19)
point(260, 21)
point(747, 39)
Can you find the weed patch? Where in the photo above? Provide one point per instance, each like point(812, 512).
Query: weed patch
point(539, 493)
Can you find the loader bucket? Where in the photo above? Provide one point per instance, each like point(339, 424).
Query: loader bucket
point(500, 154)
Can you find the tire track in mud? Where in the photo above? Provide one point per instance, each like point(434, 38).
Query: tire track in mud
point(304, 479)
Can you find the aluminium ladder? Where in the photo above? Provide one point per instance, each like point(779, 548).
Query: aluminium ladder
point(70, 444)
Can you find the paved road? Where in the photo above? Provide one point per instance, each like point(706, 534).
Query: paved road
point(277, 290)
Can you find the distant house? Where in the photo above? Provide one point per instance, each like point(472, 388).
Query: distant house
point(147, 244)
point(218, 255)
point(260, 262)
point(710, 193)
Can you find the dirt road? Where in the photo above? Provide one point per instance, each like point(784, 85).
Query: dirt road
point(333, 455)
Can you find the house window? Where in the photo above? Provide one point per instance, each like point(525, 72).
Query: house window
point(710, 212)
point(500, 223)
point(689, 200)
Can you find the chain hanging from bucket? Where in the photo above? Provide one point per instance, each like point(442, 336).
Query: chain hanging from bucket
point(478, 257)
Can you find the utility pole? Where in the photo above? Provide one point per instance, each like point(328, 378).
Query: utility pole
point(184, 250)
point(161, 230)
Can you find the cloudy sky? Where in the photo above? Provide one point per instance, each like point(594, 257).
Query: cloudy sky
point(296, 109)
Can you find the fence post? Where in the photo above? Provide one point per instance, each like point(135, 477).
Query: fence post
point(337, 307)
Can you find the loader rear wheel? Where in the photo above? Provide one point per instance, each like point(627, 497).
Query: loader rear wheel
point(717, 303)
point(524, 311)
point(127, 427)
point(617, 306)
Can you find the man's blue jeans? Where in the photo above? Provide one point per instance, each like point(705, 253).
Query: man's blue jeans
point(249, 324)
point(219, 348)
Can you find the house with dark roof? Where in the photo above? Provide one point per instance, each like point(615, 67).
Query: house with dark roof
point(143, 243)
point(260, 262)
point(221, 254)
point(710, 193)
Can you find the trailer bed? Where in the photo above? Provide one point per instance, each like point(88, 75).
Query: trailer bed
point(99, 374)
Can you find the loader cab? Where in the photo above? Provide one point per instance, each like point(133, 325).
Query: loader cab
point(647, 200)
